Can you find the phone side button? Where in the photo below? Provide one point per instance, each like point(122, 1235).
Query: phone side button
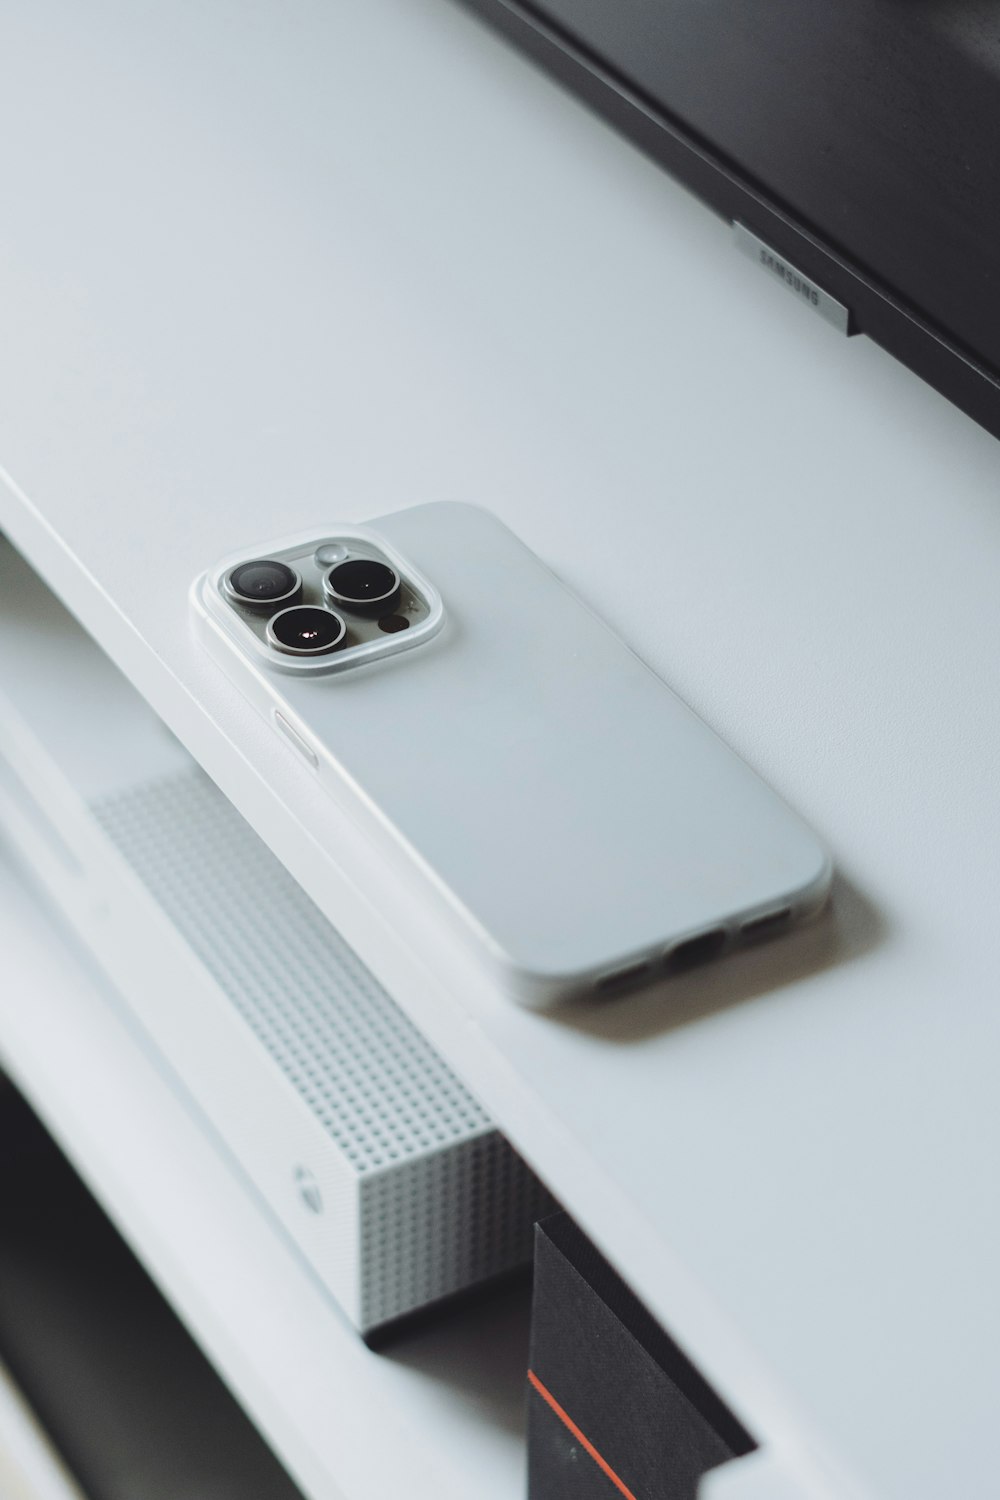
point(294, 738)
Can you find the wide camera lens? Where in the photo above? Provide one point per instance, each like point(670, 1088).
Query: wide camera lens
point(363, 585)
point(306, 630)
point(263, 582)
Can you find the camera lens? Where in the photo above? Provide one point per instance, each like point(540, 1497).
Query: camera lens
point(363, 585)
point(262, 583)
point(306, 630)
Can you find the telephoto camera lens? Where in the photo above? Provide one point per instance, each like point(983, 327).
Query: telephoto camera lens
point(363, 585)
point(306, 630)
point(262, 583)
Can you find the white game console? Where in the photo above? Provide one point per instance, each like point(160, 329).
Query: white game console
point(372, 1155)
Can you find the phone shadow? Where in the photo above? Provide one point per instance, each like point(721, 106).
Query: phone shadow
point(849, 927)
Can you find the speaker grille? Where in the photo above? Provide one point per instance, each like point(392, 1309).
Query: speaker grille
point(452, 1219)
point(368, 1075)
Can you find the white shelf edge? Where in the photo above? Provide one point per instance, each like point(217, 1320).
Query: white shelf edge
point(30, 1468)
point(344, 1420)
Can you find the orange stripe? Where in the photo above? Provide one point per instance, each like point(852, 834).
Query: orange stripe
point(567, 1421)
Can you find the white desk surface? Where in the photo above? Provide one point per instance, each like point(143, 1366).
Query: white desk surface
point(264, 266)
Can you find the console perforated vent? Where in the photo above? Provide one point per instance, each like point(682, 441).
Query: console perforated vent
point(378, 1087)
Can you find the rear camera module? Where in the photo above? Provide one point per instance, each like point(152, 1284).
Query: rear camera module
point(363, 585)
point(262, 583)
point(306, 630)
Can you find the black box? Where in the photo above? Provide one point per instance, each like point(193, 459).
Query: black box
point(614, 1407)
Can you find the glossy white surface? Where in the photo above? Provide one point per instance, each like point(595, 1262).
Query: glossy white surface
point(267, 266)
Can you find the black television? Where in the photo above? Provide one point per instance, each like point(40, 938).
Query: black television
point(859, 140)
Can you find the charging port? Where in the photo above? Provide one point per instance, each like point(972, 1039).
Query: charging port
point(696, 950)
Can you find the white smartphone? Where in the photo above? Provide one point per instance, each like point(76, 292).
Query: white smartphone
point(577, 822)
